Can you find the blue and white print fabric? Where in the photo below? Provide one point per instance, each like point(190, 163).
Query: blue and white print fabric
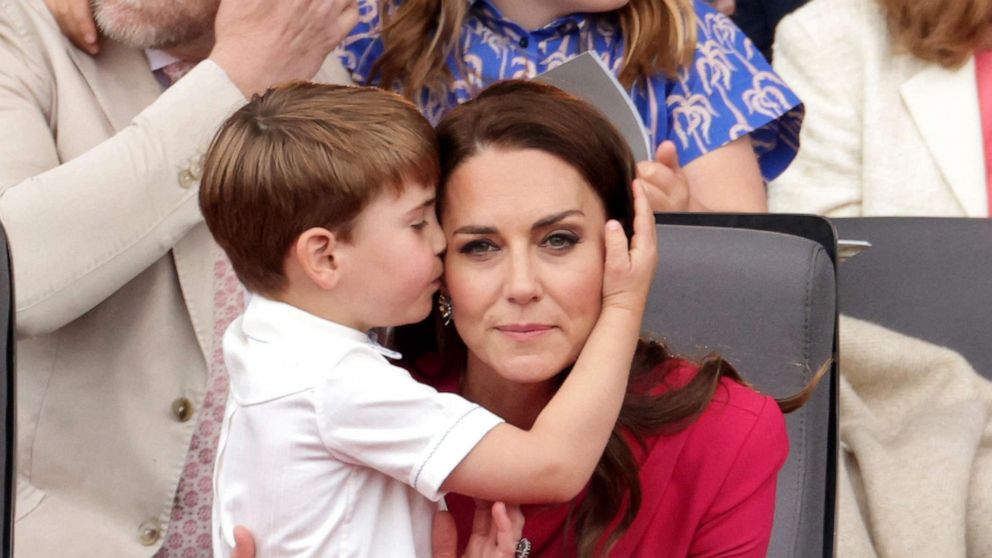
point(728, 91)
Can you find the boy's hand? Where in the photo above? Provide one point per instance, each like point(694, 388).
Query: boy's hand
point(627, 272)
point(76, 22)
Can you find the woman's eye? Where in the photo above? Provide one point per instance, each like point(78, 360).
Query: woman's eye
point(560, 240)
point(478, 247)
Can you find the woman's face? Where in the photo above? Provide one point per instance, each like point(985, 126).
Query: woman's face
point(524, 266)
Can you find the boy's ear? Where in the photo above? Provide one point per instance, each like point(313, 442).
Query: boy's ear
point(314, 252)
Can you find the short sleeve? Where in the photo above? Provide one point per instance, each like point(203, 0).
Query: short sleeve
point(374, 414)
point(728, 91)
point(738, 523)
point(363, 46)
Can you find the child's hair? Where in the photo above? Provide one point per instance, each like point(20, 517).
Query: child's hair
point(306, 155)
point(420, 36)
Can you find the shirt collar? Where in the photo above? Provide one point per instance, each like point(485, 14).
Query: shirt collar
point(287, 349)
point(158, 59)
point(488, 13)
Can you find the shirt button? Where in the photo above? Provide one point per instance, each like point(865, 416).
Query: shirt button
point(182, 409)
point(524, 42)
point(149, 533)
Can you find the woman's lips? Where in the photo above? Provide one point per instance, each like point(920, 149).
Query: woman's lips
point(524, 332)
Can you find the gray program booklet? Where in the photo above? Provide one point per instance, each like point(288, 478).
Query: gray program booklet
point(587, 77)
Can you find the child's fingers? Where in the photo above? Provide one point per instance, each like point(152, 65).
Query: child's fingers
point(617, 257)
point(667, 155)
point(645, 234)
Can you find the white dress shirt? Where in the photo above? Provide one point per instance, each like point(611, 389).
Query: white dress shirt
point(327, 449)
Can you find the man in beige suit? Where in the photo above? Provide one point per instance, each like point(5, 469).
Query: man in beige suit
point(114, 270)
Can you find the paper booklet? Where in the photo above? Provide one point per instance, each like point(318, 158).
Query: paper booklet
point(587, 77)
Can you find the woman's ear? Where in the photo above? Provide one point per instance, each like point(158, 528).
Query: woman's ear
point(314, 253)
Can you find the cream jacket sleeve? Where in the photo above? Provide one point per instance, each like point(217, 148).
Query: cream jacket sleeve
point(82, 228)
point(818, 54)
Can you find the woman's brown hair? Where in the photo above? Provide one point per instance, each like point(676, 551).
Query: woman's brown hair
point(945, 32)
point(526, 115)
point(420, 36)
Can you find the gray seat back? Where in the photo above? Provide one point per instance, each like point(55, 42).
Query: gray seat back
point(766, 301)
point(928, 277)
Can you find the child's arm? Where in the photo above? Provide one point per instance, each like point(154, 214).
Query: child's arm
point(555, 458)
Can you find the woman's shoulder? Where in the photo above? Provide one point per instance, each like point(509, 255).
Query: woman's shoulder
point(737, 418)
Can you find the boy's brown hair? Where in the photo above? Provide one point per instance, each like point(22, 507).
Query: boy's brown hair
point(306, 155)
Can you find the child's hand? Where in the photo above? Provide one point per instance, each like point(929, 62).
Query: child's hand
point(628, 272)
point(666, 186)
point(76, 22)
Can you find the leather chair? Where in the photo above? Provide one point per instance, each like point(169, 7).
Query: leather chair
point(766, 301)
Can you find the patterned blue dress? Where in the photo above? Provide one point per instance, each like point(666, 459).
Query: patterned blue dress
point(729, 90)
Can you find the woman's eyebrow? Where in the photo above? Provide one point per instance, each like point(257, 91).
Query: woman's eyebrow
point(539, 224)
point(552, 219)
point(475, 229)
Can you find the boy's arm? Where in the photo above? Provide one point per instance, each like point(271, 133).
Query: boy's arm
point(555, 458)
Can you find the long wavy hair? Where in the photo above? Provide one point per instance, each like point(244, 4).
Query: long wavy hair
point(420, 36)
point(946, 32)
point(526, 115)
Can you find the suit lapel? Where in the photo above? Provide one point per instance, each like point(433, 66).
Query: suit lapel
point(120, 79)
point(944, 105)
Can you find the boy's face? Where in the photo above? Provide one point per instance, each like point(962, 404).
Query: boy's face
point(394, 265)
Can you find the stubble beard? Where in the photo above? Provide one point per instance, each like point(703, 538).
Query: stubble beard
point(157, 24)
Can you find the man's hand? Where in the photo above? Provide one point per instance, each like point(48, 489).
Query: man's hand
point(76, 22)
point(260, 43)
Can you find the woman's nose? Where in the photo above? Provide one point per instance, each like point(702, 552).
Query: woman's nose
point(523, 283)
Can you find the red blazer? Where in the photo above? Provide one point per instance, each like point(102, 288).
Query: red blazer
point(708, 490)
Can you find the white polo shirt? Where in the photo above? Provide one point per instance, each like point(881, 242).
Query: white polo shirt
point(326, 448)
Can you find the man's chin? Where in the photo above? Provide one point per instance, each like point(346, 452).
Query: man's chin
point(151, 24)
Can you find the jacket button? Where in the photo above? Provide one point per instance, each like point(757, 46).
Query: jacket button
point(149, 533)
point(186, 179)
point(182, 409)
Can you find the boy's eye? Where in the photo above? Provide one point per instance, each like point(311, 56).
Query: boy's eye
point(420, 225)
point(560, 240)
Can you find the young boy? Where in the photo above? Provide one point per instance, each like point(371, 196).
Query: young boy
point(323, 199)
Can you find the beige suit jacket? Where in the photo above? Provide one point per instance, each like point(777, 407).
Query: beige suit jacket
point(113, 273)
point(885, 133)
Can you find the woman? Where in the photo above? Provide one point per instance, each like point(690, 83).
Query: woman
point(899, 94)
point(530, 176)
